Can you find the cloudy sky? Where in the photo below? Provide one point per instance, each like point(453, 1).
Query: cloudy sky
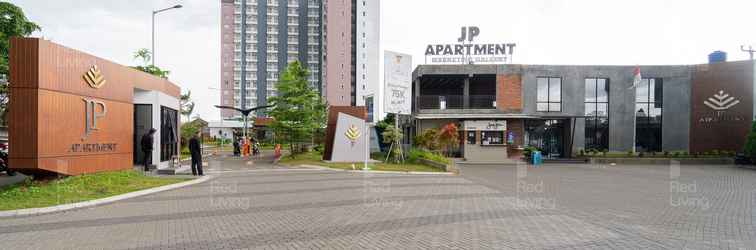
point(546, 31)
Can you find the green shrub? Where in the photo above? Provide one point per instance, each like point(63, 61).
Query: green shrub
point(666, 153)
point(629, 153)
point(416, 154)
point(750, 146)
point(528, 151)
point(581, 153)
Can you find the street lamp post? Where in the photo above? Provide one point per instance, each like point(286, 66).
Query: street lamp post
point(154, 12)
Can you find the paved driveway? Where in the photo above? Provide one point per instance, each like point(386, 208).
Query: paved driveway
point(257, 205)
point(667, 206)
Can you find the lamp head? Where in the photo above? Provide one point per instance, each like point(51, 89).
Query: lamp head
point(178, 6)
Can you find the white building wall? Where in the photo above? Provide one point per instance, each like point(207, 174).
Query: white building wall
point(156, 99)
point(368, 54)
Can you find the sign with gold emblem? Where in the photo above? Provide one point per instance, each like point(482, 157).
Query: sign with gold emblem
point(94, 77)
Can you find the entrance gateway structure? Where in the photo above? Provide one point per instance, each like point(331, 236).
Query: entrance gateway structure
point(73, 113)
point(561, 109)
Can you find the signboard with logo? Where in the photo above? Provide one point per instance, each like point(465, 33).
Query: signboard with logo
point(466, 51)
point(485, 125)
point(73, 112)
point(349, 142)
point(398, 83)
point(721, 106)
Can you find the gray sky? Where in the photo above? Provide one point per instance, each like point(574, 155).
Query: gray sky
point(546, 31)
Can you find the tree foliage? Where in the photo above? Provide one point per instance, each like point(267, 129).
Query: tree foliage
point(13, 22)
point(298, 110)
point(428, 139)
point(750, 145)
point(449, 137)
point(393, 135)
point(145, 55)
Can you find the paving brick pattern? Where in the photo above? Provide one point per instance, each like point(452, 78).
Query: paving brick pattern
point(260, 206)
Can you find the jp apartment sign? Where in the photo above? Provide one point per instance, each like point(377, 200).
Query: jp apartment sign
point(721, 106)
point(465, 51)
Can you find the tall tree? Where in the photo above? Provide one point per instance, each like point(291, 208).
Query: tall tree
point(13, 22)
point(145, 55)
point(298, 109)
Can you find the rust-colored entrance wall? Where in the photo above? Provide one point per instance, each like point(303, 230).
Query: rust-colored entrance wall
point(726, 127)
point(47, 117)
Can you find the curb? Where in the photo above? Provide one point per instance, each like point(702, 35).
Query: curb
point(377, 171)
point(98, 202)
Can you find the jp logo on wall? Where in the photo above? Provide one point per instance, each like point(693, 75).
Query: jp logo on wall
point(349, 143)
point(721, 106)
point(398, 83)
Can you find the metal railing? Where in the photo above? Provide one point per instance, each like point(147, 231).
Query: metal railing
point(456, 102)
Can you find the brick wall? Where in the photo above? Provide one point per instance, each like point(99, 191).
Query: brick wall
point(516, 126)
point(509, 92)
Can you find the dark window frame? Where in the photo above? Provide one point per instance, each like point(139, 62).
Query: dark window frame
point(548, 101)
point(595, 118)
point(472, 138)
point(647, 119)
point(483, 137)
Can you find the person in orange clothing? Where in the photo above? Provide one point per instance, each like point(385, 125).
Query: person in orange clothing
point(246, 147)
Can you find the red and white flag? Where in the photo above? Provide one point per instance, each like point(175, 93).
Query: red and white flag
point(636, 77)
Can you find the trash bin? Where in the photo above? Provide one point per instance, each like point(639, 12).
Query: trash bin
point(537, 158)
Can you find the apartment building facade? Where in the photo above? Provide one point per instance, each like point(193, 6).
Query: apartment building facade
point(259, 38)
point(353, 54)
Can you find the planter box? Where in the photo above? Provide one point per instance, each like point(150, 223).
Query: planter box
point(664, 161)
point(446, 167)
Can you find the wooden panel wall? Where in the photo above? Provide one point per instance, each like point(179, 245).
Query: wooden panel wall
point(62, 122)
point(721, 129)
point(47, 109)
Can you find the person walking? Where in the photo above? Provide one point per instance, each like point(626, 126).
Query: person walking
point(148, 140)
point(196, 151)
point(237, 150)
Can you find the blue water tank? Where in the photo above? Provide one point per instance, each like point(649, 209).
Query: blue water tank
point(717, 56)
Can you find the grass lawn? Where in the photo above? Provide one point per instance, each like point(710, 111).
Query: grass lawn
point(313, 158)
point(32, 194)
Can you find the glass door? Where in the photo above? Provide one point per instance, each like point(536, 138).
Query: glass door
point(546, 135)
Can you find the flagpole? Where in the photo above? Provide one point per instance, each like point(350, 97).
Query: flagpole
point(637, 79)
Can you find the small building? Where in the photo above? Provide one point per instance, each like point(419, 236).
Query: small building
point(562, 109)
point(232, 129)
point(73, 113)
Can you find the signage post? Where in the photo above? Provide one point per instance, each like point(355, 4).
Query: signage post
point(398, 88)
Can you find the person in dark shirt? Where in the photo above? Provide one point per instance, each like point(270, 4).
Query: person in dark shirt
point(148, 141)
point(196, 151)
point(237, 149)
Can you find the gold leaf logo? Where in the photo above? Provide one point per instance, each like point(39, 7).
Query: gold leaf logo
point(94, 77)
point(353, 133)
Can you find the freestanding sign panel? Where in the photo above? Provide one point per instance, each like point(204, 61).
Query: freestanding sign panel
point(349, 144)
point(398, 83)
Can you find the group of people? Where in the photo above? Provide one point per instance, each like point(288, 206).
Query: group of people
point(245, 147)
point(148, 140)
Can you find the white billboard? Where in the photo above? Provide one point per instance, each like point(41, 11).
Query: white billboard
point(397, 83)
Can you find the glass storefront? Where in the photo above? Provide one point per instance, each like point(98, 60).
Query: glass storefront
point(546, 135)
